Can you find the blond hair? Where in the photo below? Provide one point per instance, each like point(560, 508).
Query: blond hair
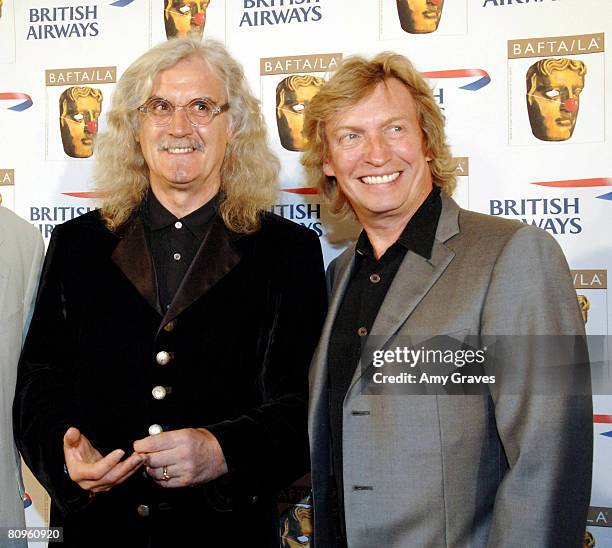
point(249, 170)
point(354, 81)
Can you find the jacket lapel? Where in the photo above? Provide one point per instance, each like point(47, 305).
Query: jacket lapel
point(216, 256)
point(4, 274)
point(133, 257)
point(340, 277)
point(414, 278)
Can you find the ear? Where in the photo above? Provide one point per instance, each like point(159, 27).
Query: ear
point(328, 169)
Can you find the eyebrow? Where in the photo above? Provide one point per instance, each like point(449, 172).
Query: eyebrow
point(385, 122)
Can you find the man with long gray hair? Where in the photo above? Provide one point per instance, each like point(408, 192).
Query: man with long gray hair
point(161, 395)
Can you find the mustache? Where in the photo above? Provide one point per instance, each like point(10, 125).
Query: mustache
point(180, 143)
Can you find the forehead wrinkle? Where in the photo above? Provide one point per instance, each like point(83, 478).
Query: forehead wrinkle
point(382, 123)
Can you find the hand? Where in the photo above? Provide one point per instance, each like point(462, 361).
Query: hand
point(90, 470)
point(190, 456)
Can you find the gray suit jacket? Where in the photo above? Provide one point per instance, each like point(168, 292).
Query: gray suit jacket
point(493, 470)
point(21, 254)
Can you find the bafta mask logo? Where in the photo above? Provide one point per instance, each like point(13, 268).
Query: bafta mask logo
point(0, 8)
point(296, 525)
point(584, 305)
point(293, 95)
point(80, 109)
point(183, 17)
point(419, 16)
point(553, 97)
point(589, 540)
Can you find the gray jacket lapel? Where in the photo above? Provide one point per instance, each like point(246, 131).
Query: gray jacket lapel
point(415, 277)
point(4, 271)
point(339, 275)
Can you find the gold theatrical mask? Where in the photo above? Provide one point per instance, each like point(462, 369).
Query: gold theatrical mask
point(296, 525)
point(584, 305)
point(419, 16)
point(0, 8)
point(183, 17)
point(293, 95)
point(589, 540)
point(80, 109)
point(553, 97)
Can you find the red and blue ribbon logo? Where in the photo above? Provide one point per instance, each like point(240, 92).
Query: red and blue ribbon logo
point(482, 80)
point(581, 183)
point(603, 419)
point(27, 500)
point(12, 96)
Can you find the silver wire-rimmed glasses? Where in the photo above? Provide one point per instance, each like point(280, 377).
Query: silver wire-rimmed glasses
point(200, 112)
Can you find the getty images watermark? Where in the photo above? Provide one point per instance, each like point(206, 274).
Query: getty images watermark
point(462, 364)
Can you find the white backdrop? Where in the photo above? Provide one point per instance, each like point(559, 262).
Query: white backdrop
point(476, 62)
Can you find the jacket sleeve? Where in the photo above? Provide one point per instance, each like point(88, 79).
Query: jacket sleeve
point(267, 447)
point(547, 436)
point(42, 410)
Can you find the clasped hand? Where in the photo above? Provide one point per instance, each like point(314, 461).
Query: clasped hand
point(188, 456)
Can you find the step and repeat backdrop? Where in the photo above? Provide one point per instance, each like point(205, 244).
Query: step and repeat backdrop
point(522, 84)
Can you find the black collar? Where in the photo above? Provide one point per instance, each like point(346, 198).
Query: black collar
point(157, 217)
point(418, 234)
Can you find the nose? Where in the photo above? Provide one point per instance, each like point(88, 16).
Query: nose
point(180, 125)
point(570, 105)
point(377, 152)
point(91, 127)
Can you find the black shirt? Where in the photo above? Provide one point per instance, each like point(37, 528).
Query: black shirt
point(174, 242)
point(370, 281)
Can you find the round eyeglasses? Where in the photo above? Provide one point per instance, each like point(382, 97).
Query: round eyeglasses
point(199, 112)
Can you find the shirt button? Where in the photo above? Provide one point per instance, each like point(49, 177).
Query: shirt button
point(155, 429)
point(143, 510)
point(375, 278)
point(362, 331)
point(163, 357)
point(159, 392)
point(170, 326)
point(177, 256)
point(178, 225)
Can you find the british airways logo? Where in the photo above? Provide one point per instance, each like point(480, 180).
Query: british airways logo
point(581, 183)
point(482, 78)
point(20, 101)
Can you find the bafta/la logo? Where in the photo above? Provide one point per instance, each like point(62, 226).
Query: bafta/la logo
point(581, 183)
point(293, 95)
point(18, 101)
point(585, 305)
point(184, 17)
point(553, 97)
point(296, 525)
point(419, 16)
point(79, 108)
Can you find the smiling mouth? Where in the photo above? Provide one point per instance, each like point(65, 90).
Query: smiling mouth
point(564, 122)
point(181, 150)
point(380, 179)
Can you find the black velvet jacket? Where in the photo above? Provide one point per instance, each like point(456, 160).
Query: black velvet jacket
point(241, 331)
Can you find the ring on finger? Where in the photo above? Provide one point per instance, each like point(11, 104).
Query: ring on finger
point(165, 475)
